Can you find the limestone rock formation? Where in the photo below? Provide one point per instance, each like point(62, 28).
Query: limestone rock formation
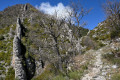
point(23, 10)
point(39, 67)
point(25, 7)
point(19, 70)
point(77, 46)
point(18, 29)
point(11, 35)
point(16, 46)
point(18, 65)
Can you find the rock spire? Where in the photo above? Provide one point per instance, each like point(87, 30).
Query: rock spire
point(20, 73)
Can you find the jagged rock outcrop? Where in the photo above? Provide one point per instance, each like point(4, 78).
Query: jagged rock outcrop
point(39, 67)
point(11, 32)
point(19, 70)
point(16, 46)
point(20, 73)
point(23, 10)
point(76, 42)
point(78, 46)
point(18, 28)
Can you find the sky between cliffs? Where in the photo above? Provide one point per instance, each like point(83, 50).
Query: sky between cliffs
point(48, 6)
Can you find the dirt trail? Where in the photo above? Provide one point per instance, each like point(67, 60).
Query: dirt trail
point(95, 71)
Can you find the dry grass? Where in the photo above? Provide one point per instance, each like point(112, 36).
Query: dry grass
point(84, 61)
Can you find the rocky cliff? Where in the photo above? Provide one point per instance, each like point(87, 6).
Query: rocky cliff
point(20, 73)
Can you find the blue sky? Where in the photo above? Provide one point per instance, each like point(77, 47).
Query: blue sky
point(93, 18)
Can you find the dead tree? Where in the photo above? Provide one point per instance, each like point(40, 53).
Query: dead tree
point(52, 27)
point(112, 11)
point(77, 13)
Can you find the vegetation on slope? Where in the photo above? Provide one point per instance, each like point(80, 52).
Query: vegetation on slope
point(33, 39)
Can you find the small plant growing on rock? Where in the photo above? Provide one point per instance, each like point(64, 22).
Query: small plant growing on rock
point(116, 76)
point(1, 37)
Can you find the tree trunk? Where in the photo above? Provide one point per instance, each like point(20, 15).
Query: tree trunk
point(58, 55)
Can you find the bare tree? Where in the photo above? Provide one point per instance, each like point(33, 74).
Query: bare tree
point(112, 10)
point(77, 13)
point(53, 27)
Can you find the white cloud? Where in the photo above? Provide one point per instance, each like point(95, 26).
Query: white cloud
point(60, 9)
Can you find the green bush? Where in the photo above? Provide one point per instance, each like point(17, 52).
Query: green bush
point(2, 68)
point(5, 57)
point(33, 9)
point(112, 59)
point(47, 74)
point(1, 37)
point(1, 78)
point(75, 75)
point(116, 76)
point(84, 67)
point(10, 74)
point(96, 38)
point(6, 29)
point(3, 45)
point(2, 54)
point(2, 31)
point(59, 77)
point(26, 22)
point(101, 44)
point(114, 34)
point(90, 43)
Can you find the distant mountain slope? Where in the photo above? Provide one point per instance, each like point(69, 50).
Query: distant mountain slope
point(9, 15)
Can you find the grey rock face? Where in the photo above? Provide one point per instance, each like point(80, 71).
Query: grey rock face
point(39, 67)
point(16, 46)
point(25, 7)
point(11, 32)
point(78, 46)
point(18, 29)
point(23, 10)
point(19, 70)
point(20, 74)
point(76, 42)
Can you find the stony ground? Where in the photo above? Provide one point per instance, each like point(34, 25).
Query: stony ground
point(95, 72)
point(98, 69)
